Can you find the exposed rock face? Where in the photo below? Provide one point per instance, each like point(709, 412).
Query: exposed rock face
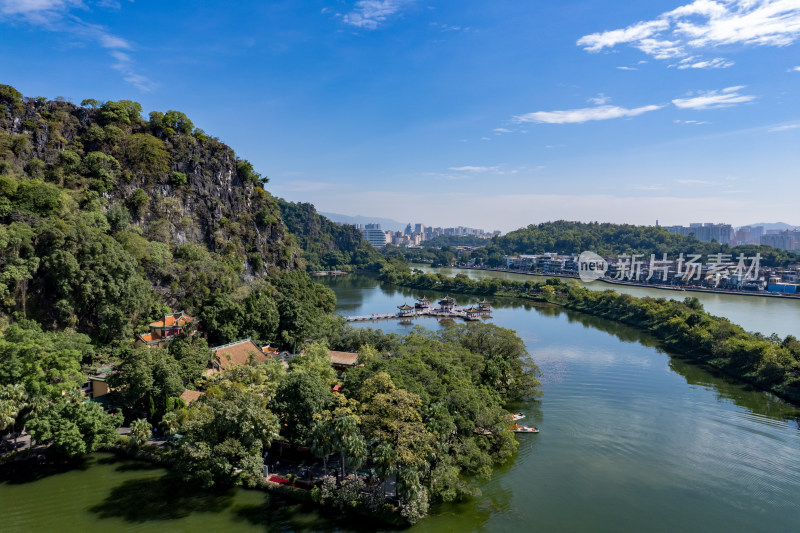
point(178, 184)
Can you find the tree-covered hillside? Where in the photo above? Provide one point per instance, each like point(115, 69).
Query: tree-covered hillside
point(108, 220)
point(613, 239)
point(325, 244)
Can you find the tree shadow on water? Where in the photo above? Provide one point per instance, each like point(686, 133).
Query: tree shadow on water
point(31, 469)
point(162, 498)
point(280, 514)
point(124, 464)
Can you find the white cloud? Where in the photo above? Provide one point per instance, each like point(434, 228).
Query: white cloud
point(501, 130)
point(57, 16)
point(714, 99)
point(705, 24)
point(627, 68)
point(697, 182)
point(693, 122)
point(636, 32)
point(112, 41)
point(600, 99)
point(693, 62)
point(785, 127)
point(369, 14)
point(794, 69)
point(447, 27)
point(578, 116)
point(469, 168)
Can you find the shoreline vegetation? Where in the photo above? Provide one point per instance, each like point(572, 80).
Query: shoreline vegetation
point(633, 283)
point(422, 416)
point(684, 328)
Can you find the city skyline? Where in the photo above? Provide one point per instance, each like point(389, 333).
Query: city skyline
point(505, 114)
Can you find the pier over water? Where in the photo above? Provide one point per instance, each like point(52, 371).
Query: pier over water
point(447, 309)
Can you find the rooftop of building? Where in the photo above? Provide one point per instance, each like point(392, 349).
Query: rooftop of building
point(174, 320)
point(343, 358)
point(189, 396)
point(238, 353)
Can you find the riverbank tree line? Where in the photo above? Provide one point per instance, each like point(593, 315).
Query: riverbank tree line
point(572, 238)
point(768, 362)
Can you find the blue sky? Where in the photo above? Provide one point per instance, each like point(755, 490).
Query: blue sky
point(485, 114)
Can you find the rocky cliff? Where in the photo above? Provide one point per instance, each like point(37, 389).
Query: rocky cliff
point(178, 184)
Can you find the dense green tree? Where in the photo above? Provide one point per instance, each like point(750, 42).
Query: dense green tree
point(192, 354)
point(315, 361)
point(91, 280)
point(392, 415)
point(123, 112)
point(224, 435)
point(299, 397)
point(102, 170)
point(74, 427)
point(145, 379)
point(508, 368)
point(46, 363)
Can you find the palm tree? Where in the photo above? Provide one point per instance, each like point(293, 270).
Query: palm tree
point(170, 424)
point(141, 431)
point(322, 441)
point(385, 459)
point(8, 414)
point(349, 441)
point(12, 402)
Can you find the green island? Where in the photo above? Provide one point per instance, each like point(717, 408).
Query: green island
point(768, 362)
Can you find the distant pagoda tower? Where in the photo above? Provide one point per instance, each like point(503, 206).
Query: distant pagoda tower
point(423, 303)
point(447, 303)
point(405, 310)
point(473, 313)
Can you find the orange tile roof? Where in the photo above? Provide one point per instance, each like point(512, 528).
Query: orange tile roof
point(174, 319)
point(146, 337)
point(189, 396)
point(343, 358)
point(237, 353)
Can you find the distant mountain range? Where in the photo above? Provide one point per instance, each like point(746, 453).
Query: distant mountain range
point(386, 223)
point(772, 225)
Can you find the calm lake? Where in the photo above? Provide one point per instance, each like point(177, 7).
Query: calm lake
point(631, 440)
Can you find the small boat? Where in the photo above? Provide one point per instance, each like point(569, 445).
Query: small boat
point(525, 429)
point(517, 416)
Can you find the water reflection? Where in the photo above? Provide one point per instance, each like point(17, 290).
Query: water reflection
point(727, 389)
point(365, 294)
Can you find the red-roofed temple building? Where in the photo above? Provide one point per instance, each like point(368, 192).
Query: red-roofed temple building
point(165, 329)
point(243, 352)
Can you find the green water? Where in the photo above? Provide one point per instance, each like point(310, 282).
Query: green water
point(106, 493)
point(765, 315)
point(631, 440)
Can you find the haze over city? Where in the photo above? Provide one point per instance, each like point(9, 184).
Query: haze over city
point(491, 115)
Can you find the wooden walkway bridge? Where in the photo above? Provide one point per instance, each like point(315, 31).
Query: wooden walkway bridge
point(455, 313)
